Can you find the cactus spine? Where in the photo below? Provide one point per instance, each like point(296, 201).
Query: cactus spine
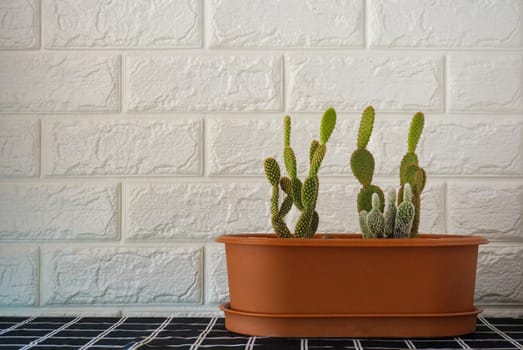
point(303, 196)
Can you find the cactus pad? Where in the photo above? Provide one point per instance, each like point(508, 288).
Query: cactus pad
point(328, 122)
point(272, 171)
point(309, 192)
point(312, 149)
point(409, 160)
point(286, 185)
point(317, 159)
point(416, 128)
point(362, 166)
point(366, 126)
point(289, 158)
point(286, 131)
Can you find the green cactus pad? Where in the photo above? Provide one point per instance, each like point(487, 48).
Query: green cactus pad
point(289, 158)
point(365, 198)
point(280, 227)
point(416, 128)
point(272, 171)
point(296, 193)
point(304, 222)
point(366, 126)
point(317, 159)
point(285, 206)
point(286, 185)
point(312, 149)
point(362, 166)
point(309, 192)
point(409, 159)
point(363, 224)
point(275, 200)
point(286, 131)
point(419, 180)
point(328, 122)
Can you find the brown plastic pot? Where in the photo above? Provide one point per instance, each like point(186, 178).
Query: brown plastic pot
point(343, 285)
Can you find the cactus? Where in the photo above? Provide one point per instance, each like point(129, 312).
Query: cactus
point(405, 215)
point(362, 163)
point(303, 195)
point(411, 172)
point(396, 221)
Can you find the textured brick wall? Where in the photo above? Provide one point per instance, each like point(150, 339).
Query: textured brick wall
point(132, 134)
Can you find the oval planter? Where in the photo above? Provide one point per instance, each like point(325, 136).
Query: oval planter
point(343, 285)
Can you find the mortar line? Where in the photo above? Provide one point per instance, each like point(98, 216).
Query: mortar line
point(203, 146)
point(40, 6)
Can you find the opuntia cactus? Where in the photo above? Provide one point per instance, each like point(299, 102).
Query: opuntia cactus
point(304, 195)
point(362, 163)
point(396, 219)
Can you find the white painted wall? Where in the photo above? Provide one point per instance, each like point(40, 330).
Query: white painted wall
point(132, 133)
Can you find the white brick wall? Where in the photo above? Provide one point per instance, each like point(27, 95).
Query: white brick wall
point(132, 135)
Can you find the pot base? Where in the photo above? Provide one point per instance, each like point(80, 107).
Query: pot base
point(361, 326)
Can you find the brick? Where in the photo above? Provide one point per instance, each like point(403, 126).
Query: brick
point(20, 24)
point(124, 147)
point(389, 83)
point(485, 83)
point(500, 272)
point(257, 139)
point(204, 83)
point(123, 24)
point(19, 147)
point(468, 147)
point(58, 211)
point(195, 210)
point(287, 24)
point(59, 83)
point(446, 24)
point(492, 210)
point(19, 268)
point(114, 275)
point(456, 147)
point(216, 272)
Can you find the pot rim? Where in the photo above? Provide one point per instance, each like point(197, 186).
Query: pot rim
point(226, 307)
point(351, 240)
